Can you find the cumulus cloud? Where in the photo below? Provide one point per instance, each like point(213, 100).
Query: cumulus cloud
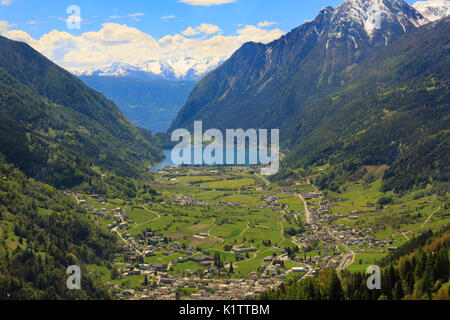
point(203, 28)
point(5, 26)
point(206, 3)
point(6, 2)
point(114, 42)
point(265, 24)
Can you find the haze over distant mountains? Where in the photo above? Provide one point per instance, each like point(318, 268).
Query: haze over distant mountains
point(148, 103)
point(314, 53)
point(149, 96)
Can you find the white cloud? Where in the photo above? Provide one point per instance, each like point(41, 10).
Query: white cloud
point(169, 17)
point(206, 3)
point(208, 28)
point(190, 32)
point(114, 42)
point(5, 26)
point(265, 24)
point(133, 16)
point(6, 2)
point(203, 28)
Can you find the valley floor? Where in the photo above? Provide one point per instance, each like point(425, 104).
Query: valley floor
point(228, 233)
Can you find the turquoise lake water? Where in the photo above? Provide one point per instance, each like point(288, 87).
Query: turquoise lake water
point(249, 153)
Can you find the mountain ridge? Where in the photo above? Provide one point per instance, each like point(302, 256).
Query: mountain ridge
point(297, 82)
point(316, 49)
point(55, 128)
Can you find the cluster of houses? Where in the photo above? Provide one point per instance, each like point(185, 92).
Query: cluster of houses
point(203, 287)
point(271, 202)
point(319, 235)
point(121, 220)
point(242, 249)
point(311, 195)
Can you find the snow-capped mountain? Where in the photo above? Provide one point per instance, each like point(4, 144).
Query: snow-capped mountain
point(307, 58)
point(433, 9)
point(170, 69)
point(357, 24)
point(375, 16)
point(356, 27)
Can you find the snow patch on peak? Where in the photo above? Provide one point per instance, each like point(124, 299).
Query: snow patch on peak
point(376, 12)
point(433, 9)
point(373, 14)
point(175, 68)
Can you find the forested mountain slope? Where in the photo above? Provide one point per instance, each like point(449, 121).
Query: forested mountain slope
point(55, 128)
point(42, 232)
point(391, 109)
point(343, 91)
point(265, 85)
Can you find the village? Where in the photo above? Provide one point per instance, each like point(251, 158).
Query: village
point(167, 287)
point(323, 244)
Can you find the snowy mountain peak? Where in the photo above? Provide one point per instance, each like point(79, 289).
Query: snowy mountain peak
point(376, 15)
point(433, 9)
point(185, 68)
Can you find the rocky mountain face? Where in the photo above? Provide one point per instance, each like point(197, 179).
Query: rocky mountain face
point(433, 9)
point(351, 88)
point(264, 85)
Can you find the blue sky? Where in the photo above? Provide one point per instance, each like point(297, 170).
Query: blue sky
point(150, 34)
point(40, 17)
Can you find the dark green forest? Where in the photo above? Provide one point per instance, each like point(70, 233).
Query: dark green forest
point(56, 134)
point(42, 232)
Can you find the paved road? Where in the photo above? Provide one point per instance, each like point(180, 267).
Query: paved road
point(157, 218)
point(307, 212)
point(263, 178)
point(404, 234)
point(116, 230)
point(78, 200)
point(431, 215)
point(348, 258)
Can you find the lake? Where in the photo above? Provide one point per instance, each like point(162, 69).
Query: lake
point(249, 153)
